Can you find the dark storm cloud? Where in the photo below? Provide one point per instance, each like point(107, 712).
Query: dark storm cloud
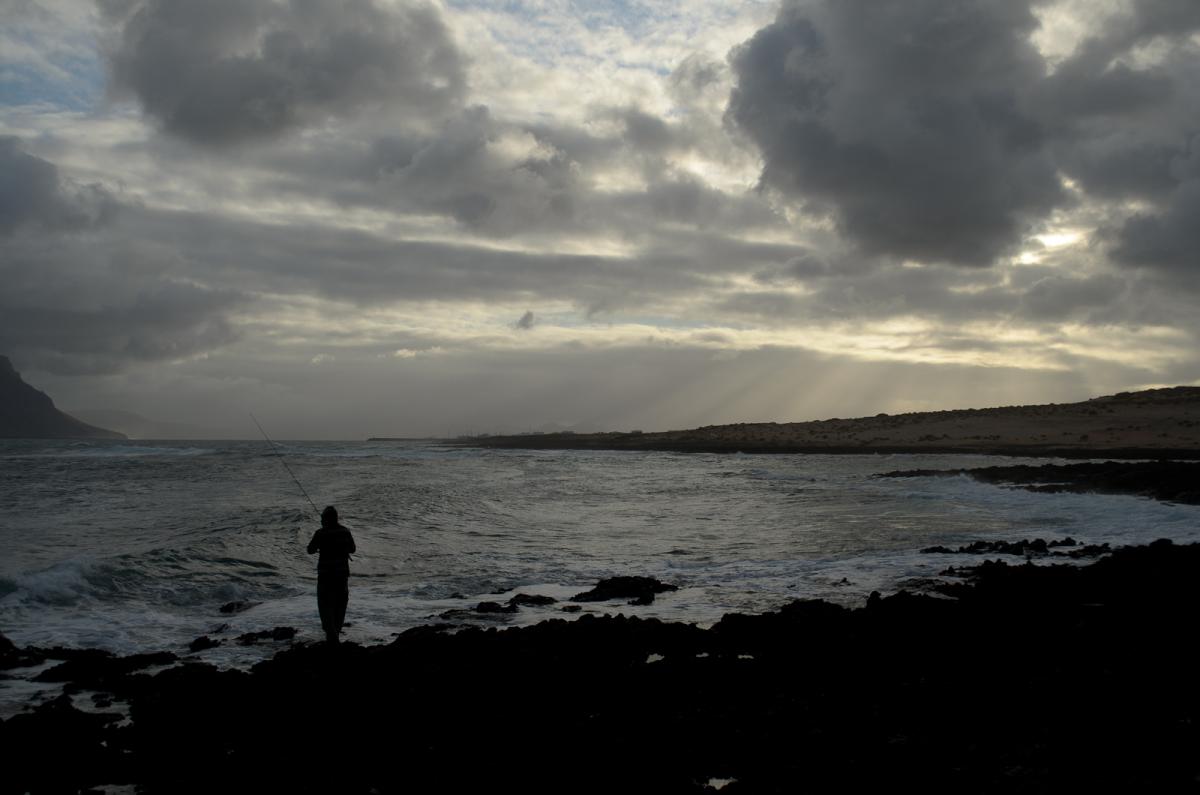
point(1149, 151)
point(1168, 240)
point(34, 195)
point(1130, 132)
point(457, 171)
point(934, 131)
point(162, 321)
point(1056, 298)
point(526, 320)
point(78, 297)
point(687, 200)
point(460, 173)
point(908, 122)
point(1144, 20)
point(466, 171)
point(646, 132)
point(1120, 128)
point(368, 269)
point(1090, 86)
point(230, 70)
point(156, 285)
point(939, 294)
point(1120, 169)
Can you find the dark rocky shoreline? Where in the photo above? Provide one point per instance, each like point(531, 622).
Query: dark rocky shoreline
point(1018, 678)
point(1173, 481)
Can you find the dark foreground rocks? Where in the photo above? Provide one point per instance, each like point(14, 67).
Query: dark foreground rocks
point(1022, 678)
point(1173, 481)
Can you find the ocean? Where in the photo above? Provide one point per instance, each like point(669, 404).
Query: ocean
point(135, 546)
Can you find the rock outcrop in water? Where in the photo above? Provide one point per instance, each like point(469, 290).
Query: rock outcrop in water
point(1021, 679)
point(639, 590)
point(28, 413)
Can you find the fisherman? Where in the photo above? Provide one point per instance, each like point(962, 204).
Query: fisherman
point(335, 544)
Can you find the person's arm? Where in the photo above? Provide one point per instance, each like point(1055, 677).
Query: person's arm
point(315, 544)
point(353, 548)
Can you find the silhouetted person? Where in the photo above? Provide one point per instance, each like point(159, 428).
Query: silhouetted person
point(335, 544)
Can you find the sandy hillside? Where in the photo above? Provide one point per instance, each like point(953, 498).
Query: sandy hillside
point(1166, 420)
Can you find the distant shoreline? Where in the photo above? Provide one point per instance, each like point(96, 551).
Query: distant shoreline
point(1156, 423)
point(543, 443)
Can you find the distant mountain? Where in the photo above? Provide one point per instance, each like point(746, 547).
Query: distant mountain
point(28, 413)
point(135, 426)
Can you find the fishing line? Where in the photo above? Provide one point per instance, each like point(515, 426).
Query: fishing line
point(283, 461)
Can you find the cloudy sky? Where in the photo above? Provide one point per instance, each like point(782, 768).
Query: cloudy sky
point(367, 217)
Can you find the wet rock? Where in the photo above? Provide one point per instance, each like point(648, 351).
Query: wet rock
point(278, 633)
point(571, 608)
point(80, 666)
point(1089, 551)
point(230, 608)
point(531, 600)
point(641, 590)
point(58, 748)
point(96, 669)
point(13, 656)
point(493, 611)
point(202, 643)
point(1026, 548)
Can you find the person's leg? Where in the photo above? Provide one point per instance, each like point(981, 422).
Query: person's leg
point(326, 596)
point(342, 598)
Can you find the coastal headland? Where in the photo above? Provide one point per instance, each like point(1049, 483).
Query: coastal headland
point(1007, 677)
point(29, 413)
point(1155, 423)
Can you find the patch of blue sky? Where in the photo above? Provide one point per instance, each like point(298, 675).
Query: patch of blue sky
point(628, 15)
point(534, 48)
point(632, 16)
point(78, 84)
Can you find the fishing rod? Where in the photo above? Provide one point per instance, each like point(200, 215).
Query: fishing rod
point(283, 461)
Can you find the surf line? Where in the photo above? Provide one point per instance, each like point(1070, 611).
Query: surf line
point(283, 461)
